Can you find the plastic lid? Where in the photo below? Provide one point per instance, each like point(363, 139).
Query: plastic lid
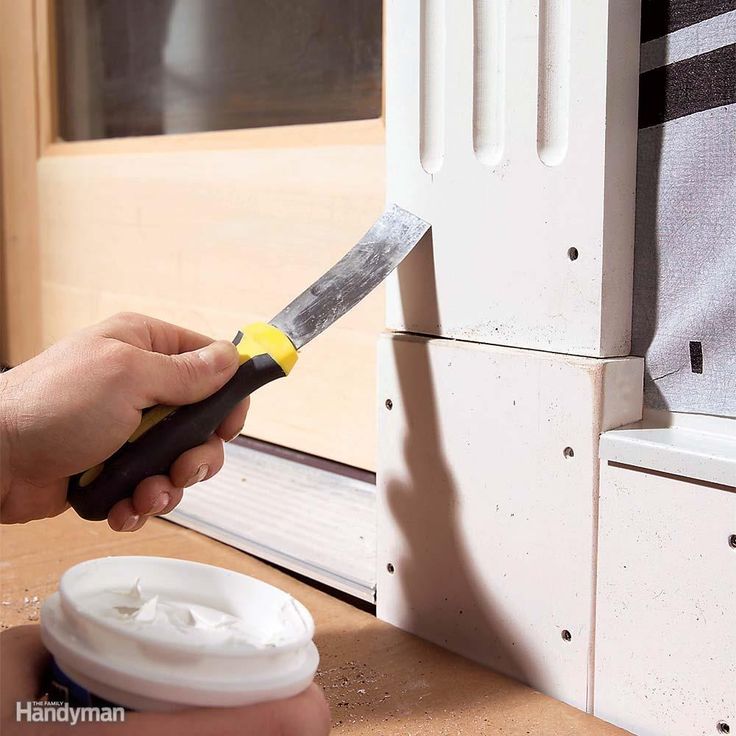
point(177, 631)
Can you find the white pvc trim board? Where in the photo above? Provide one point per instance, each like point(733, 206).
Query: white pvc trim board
point(676, 450)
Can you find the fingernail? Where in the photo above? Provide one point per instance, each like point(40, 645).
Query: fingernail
point(202, 471)
point(130, 522)
point(219, 355)
point(237, 434)
point(161, 503)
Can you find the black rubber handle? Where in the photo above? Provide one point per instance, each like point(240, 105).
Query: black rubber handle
point(156, 449)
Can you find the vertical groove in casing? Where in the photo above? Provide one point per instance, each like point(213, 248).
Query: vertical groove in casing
point(553, 100)
point(489, 79)
point(432, 85)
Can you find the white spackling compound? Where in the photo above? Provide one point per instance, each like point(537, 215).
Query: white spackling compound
point(137, 591)
point(171, 618)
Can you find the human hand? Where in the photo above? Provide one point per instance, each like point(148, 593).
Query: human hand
point(23, 660)
point(75, 404)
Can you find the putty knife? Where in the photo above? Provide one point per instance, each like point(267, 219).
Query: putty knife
point(267, 351)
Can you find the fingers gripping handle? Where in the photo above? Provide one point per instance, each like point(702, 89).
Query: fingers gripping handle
point(165, 432)
point(153, 452)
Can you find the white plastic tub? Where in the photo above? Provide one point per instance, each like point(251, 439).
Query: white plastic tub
point(154, 633)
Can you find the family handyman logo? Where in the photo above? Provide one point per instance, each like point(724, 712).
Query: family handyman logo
point(34, 711)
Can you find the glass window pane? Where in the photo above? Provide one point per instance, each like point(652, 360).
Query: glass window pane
point(146, 67)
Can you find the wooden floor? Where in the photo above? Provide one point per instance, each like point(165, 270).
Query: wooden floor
point(378, 679)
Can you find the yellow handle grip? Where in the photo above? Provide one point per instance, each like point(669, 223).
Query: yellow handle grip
point(261, 338)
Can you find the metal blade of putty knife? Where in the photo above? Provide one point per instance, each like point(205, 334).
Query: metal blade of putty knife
point(356, 274)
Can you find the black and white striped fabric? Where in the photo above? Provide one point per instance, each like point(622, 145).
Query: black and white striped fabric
point(685, 264)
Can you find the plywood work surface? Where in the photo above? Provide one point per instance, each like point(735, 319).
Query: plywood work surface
point(378, 679)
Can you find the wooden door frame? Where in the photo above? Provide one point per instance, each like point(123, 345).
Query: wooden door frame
point(28, 131)
point(20, 144)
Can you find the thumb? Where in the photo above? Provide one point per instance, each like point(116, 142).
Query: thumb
point(189, 377)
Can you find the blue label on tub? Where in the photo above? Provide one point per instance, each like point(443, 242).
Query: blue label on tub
point(63, 689)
